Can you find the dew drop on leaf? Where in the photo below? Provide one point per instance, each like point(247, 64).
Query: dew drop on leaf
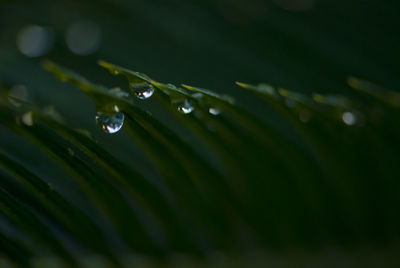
point(214, 111)
point(142, 91)
point(185, 107)
point(27, 119)
point(110, 123)
point(349, 118)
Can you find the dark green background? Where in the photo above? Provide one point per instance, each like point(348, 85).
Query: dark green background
point(208, 44)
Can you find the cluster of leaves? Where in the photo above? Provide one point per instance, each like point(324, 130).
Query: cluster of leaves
point(332, 181)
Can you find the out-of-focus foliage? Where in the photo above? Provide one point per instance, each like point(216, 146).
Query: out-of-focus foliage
point(321, 186)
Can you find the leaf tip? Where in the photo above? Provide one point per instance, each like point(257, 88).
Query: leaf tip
point(243, 85)
point(187, 86)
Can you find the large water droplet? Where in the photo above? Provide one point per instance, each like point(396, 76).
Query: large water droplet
point(143, 91)
point(185, 107)
point(110, 123)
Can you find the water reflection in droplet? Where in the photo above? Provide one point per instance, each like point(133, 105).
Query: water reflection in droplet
point(142, 91)
point(214, 111)
point(110, 123)
point(185, 107)
point(27, 118)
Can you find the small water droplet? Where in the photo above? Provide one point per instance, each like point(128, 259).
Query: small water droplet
point(27, 119)
point(214, 111)
point(143, 91)
point(110, 123)
point(349, 118)
point(185, 107)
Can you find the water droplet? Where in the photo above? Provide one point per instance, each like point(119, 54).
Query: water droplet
point(27, 119)
point(143, 91)
point(214, 111)
point(349, 118)
point(185, 107)
point(110, 123)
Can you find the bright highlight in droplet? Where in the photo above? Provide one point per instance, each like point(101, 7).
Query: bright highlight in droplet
point(349, 118)
point(27, 119)
point(110, 123)
point(83, 37)
point(142, 91)
point(34, 41)
point(185, 107)
point(214, 111)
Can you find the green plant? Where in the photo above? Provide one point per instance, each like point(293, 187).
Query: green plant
point(330, 180)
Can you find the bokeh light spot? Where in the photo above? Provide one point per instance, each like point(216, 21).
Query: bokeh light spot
point(34, 41)
point(83, 37)
point(349, 118)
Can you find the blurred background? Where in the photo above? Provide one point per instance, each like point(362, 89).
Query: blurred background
point(304, 45)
